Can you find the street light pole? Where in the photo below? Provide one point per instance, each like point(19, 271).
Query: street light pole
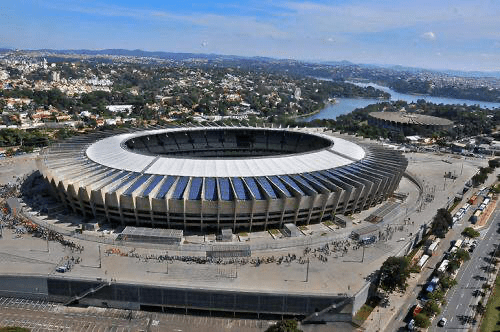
point(100, 261)
point(307, 270)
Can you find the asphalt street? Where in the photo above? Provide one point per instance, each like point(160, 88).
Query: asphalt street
point(462, 298)
point(399, 323)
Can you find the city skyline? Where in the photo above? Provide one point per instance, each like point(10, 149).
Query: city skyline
point(458, 35)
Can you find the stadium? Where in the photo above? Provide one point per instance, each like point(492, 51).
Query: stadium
point(404, 121)
point(207, 179)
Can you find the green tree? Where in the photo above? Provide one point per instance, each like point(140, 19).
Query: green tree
point(453, 265)
point(441, 223)
point(494, 163)
point(26, 149)
point(10, 152)
point(447, 282)
point(431, 308)
point(470, 232)
point(421, 320)
point(394, 273)
point(480, 308)
point(438, 296)
point(14, 329)
point(462, 255)
point(288, 325)
point(64, 133)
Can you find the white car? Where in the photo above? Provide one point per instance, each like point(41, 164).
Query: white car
point(442, 322)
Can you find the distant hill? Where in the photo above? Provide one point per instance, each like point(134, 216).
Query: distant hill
point(186, 56)
point(155, 54)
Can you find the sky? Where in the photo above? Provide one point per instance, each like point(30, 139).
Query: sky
point(433, 34)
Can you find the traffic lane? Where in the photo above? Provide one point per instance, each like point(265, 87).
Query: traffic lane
point(456, 309)
point(459, 304)
point(399, 322)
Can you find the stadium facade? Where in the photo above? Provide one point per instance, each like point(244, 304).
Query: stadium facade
point(214, 178)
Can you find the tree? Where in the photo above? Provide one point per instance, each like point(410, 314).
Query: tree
point(289, 325)
point(462, 255)
point(26, 149)
point(13, 329)
point(470, 232)
point(453, 265)
point(431, 308)
point(494, 163)
point(10, 152)
point(447, 282)
point(441, 223)
point(480, 308)
point(421, 320)
point(394, 273)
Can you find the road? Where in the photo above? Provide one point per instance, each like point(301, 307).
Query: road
point(399, 323)
point(472, 275)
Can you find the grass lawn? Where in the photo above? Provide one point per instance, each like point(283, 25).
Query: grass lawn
point(365, 310)
point(491, 320)
point(274, 231)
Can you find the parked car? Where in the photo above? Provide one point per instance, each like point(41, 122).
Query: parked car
point(61, 269)
point(442, 322)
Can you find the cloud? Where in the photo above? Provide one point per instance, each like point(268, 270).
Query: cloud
point(429, 35)
point(204, 43)
point(243, 25)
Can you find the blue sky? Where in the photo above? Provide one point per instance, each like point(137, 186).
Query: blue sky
point(437, 34)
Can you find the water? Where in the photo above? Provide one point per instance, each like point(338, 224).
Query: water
point(347, 105)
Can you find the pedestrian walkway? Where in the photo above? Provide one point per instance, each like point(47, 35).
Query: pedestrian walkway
point(380, 317)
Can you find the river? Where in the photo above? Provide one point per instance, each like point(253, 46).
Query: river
point(347, 105)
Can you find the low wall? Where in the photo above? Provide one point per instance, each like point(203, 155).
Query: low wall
point(132, 296)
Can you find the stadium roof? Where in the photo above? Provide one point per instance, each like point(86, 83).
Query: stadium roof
point(411, 118)
point(111, 152)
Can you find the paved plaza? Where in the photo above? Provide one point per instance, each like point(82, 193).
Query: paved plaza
point(328, 271)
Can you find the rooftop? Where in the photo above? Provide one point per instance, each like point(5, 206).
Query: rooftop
point(411, 118)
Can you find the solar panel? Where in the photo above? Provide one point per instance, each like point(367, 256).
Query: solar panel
point(226, 193)
point(303, 182)
point(315, 183)
point(165, 187)
point(181, 186)
point(274, 179)
point(211, 189)
point(330, 175)
point(152, 185)
point(239, 187)
point(195, 190)
point(319, 176)
point(252, 185)
point(264, 183)
point(132, 177)
point(119, 176)
point(136, 184)
point(291, 183)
